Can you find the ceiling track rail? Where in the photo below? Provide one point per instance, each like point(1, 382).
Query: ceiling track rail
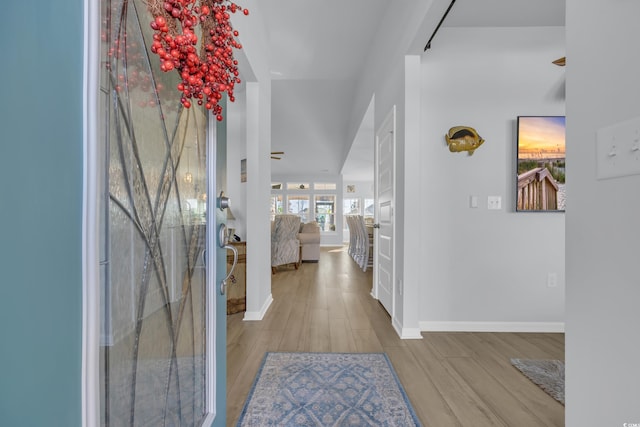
point(428, 45)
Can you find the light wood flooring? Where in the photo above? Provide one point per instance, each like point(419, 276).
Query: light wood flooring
point(452, 379)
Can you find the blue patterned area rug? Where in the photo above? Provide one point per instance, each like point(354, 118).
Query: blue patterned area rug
point(327, 389)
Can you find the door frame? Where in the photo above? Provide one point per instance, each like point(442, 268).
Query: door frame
point(91, 182)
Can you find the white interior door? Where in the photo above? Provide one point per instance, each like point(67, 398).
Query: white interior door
point(384, 201)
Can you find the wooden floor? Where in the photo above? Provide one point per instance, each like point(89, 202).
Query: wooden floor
point(452, 379)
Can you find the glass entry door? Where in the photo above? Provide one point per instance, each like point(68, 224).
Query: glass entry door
point(155, 365)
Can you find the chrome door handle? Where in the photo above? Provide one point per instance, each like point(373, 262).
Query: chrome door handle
point(222, 237)
point(223, 284)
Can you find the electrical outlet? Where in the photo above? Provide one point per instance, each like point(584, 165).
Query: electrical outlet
point(552, 280)
point(494, 202)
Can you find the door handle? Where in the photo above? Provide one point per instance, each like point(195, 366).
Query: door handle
point(223, 284)
point(222, 238)
point(376, 225)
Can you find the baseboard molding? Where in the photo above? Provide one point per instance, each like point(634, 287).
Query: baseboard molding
point(406, 333)
point(259, 315)
point(545, 327)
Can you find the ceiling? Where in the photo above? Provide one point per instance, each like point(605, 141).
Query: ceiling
point(317, 51)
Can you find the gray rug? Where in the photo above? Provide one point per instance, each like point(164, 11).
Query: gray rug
point(327, 389)
point(546, 374)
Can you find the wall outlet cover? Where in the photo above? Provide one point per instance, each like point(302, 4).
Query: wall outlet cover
point(494, 202)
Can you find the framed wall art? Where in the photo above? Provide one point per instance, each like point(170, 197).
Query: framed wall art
point(541, 163)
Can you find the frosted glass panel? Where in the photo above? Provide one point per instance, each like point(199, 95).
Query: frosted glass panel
point(153, 276)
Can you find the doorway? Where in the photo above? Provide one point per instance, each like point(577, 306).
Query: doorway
point(384, 206)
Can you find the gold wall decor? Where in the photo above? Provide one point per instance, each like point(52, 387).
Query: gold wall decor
point(463, 138)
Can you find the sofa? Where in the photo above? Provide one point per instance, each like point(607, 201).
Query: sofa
point(309, 237)
point(285, 246)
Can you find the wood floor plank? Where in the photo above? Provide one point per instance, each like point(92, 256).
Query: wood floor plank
point(358, 318)
point(336, 305)
point(280, 311)
point(446, 345)
point(494, 394)
point(426, 400)
point(551, 346)
point(295, 336)
point(319, 338)
point(465, 403)
point(525, 348)
point(341, 336)
point(366, 341)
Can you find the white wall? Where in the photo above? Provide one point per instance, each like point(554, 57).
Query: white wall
point(481, 266)
point(236, 151)
point(254, 64)
point(602, 239)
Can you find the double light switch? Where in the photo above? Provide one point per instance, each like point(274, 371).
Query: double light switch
point(618, 150)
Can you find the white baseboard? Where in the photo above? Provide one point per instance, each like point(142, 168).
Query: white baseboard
point(406, 333)
point(258, 315)
point(545, 327)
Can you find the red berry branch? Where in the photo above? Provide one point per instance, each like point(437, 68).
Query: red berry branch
point(206, 72)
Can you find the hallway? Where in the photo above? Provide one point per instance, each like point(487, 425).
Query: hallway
point(452, 379)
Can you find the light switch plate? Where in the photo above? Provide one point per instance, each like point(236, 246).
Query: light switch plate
point(618, 150)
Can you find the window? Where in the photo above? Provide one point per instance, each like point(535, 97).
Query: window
point(298, 186)
point(276, 205)
point(324, 186)
point(350, 207)
point(311, 200)
point(299, 205)
point(326, 211)
point(369, 208)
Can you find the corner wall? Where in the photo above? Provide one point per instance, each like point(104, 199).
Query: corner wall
point(603, 237)
point(486, 269)
point(254, 66)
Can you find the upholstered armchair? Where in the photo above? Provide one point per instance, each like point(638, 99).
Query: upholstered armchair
point(285, 246)
point(309, 237)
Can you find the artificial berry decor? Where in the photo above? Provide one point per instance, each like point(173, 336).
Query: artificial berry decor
point(209, 70)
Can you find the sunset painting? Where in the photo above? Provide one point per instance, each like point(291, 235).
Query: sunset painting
point(541, 163)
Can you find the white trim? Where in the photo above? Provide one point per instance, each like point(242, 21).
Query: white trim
point(90, 219)
point(406, 333)
point(212, 246)
point(543, 327)
point(259, 315)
